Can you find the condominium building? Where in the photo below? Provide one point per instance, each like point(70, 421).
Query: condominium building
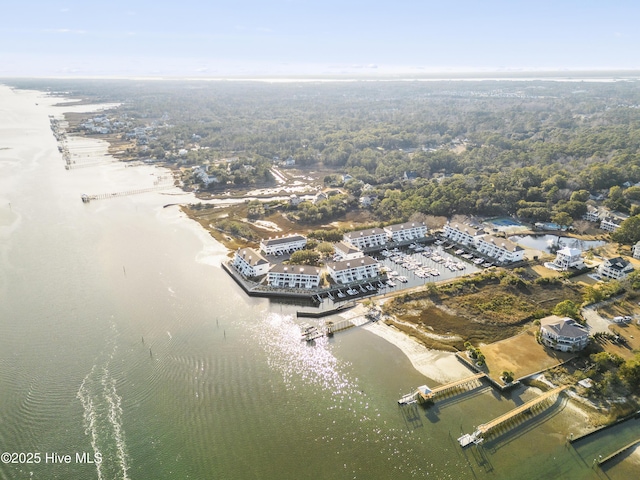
point(463, 234)
point(250, 263)
point(636, 250)
point(347, 251)
point(371, 237)
point(294, 276)
point(592, 215)
point(406, 231)
point(280, 245)
point(610, 224)
point(503, 250)
point(348, 271)
point(615, 268)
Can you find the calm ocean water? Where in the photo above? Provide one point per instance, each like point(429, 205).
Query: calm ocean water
point(121, 338)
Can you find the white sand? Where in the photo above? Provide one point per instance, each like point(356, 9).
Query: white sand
point(440, 366)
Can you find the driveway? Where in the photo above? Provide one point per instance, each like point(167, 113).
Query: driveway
point(594, 321)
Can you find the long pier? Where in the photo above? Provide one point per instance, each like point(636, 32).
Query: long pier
point(103, 196)
point(486, 428)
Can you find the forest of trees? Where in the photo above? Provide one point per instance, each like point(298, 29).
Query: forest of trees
point(535, 149)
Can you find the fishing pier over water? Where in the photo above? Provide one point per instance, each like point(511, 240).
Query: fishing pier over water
point(103, 196)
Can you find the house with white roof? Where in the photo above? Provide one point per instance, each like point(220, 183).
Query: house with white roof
point(406, 231)
point(564, 334)
point(567, 258)
point(371, 237)
point(293, 276)
point(348, 271)
point(280, 245)
point(250, 263)
point(615, 268)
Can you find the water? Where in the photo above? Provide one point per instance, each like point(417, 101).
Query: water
point(547, 242)
point(121, 338)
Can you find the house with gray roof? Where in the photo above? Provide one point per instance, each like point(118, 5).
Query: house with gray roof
point(564, 334)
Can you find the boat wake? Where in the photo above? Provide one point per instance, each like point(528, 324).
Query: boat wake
point(103, 420)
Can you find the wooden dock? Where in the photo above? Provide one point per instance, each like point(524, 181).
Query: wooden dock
point(103, 196)
point(486, 428)
point(449, 387)
point(604, 460)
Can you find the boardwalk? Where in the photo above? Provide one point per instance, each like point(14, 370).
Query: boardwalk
point(103, 196)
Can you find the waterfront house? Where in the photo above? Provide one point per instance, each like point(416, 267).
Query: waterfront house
point(615, 268)
point(503, 250)
point(636, 250)
point(406, 231)
point(250, 263)
point(347, 251)
point(293, 276)
point(463, 234)
point(564, 334)
point(592, 215)
point(348, 271)
point(371, 237)
point(280, 245)
point(568, 258)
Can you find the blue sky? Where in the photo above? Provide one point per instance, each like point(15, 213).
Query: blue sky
point(270, 37)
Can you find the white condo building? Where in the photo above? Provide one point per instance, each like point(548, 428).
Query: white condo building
point(610, 224)
point(503, 250)
point(463, 234)
point(278, 246)
point(347, 251)
point(636, 250)
point(371, 237)
point(294, 276)
point(250, 263)
point(406, 231)
point(348, 271)
point(615, 268)
point(568, 258)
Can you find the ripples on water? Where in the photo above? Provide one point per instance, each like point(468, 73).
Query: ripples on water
point(350, 420)
point(103, 416)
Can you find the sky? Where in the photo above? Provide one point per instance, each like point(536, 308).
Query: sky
point(218, 38)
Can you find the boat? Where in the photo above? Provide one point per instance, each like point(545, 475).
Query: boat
point(409, 398)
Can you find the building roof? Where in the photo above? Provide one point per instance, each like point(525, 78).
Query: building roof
point(563, 327)
point(295, 269)
point(404, 226)
point(348, 264)
point(503, 243)
point(365, 233)
point(569, 252)
point(617, 263)
point(468, 229)
point(345, 248)
point(281, 240)
point(252, 257)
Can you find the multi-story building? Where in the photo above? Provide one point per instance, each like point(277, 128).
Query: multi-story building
point(293, 276)
point(592, 215)
point(636, 250)
point(610, 224)
point(347, 271)
point(347, 251)
point(371, 237)
point(615, 268)
point(503, 250)
point(250, 263)
point(406, 231)
point(568, 258)
point(563, 334)
point(463, 234)
point(280, 245)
